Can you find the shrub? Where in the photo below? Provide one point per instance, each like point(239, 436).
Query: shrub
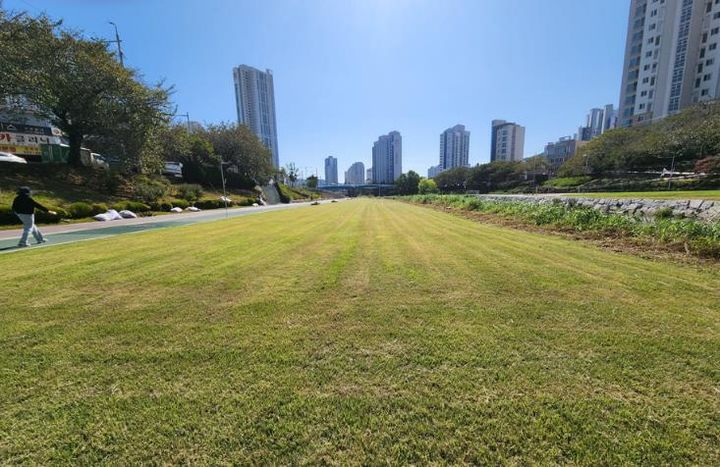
point(567, 182)
point(245, 201)
point(286, 196)
point(47, 218)
point(79, 210)
point(162, 205)
point(664, 213)
point(8, 217)
point(179, 203)
point(212, 204)
point(99, 208)
point(134, 206)
point(189, 191)
point(150, 189)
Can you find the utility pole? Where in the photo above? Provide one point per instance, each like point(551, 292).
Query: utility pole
point(187, 117)
point(118, 42)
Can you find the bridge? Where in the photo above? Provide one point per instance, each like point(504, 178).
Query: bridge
point(364, 188)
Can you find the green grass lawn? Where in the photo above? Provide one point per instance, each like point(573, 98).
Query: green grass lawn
point(697, 194)
point(362, 332)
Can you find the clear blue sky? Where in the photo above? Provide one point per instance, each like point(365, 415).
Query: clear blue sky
point(347, 71)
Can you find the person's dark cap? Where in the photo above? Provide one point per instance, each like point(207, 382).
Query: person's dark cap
point(24, 190)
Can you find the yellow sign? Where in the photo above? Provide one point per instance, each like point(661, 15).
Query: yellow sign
point(21, 150)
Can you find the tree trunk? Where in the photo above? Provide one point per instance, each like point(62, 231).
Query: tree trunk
point(74, 158)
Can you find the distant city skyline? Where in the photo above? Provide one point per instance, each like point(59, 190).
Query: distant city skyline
point(325, 57)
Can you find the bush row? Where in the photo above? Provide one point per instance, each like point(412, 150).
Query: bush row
point(701, 237)
point(81, 209)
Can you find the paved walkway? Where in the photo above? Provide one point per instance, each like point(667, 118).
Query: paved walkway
point(69, 233)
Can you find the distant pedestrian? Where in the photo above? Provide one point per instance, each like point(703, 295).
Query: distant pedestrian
point(24, 207)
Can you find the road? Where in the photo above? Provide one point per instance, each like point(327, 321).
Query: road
point(69, 233)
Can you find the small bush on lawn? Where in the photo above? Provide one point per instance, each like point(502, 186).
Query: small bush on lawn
point(99, 208)
point(162, 205)
point(150, 189)
point(7, 216)
point(80, 209)
point(189, 191)
point(47, 218)
point(134, 206)
point(245, 201)
point(211, 204)
point(664, 213)
point(179, 203)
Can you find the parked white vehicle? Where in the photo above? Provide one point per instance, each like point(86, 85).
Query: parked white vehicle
point(173, 169)
point(7, 157)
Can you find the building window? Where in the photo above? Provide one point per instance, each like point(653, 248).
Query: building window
point(705, 92)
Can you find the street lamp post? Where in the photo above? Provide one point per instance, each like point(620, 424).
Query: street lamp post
point(222, 177)
point(118, 42)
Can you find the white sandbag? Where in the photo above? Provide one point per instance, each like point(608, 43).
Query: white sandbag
point(255, 204)
point(113, 215)
point(225, 199)
point(193, 209)
point(101, 217)
point(125, 214)
point(176, 210)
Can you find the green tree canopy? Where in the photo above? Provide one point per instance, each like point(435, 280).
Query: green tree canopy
point(76, 83)
point(427, 186)
point(237, 145)
point(407, 184)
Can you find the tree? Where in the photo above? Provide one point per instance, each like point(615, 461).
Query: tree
point(407, 184)
point(427, 186)
point(452, 180)
point(312, 182)
point(249, 159)
point(292, 173)
point(77, 84)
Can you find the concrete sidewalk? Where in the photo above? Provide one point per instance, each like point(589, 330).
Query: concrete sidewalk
point(69, 233)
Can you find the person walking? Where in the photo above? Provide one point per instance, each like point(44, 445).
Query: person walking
point(24, 207)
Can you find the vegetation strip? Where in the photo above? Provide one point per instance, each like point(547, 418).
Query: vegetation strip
point(695, 237)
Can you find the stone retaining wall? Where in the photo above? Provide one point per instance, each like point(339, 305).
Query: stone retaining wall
point(705, 210)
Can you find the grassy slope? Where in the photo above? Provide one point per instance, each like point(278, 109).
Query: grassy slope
point(365, 331)
point(698, 194)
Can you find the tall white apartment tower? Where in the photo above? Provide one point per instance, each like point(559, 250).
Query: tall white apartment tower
point(355, 175)
point(507, 141)
point(255, 101)
point(454, 147)
point(331, 171)
point(671, 58)
point(387, 158)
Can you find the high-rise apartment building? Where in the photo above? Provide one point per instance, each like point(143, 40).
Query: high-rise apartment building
point(671, 58)
point(434, 171)
point(355, 175)
point(368, 175)
point(331, 171)
point(598, 122)
point(507, 141)
point(387, 158)
point(255, 101)
point(454, 147)
point(560, 151)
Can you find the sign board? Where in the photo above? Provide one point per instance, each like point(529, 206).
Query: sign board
point(21, 150)
point(8, 127)
point(25, 144)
